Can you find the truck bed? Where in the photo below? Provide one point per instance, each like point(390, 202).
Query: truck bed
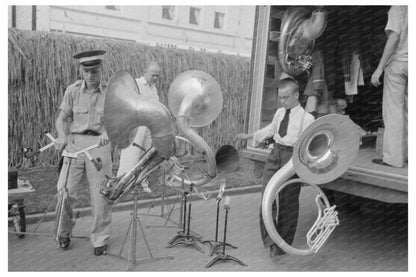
point(387, 176)
point(363, 178)
point(367, 179)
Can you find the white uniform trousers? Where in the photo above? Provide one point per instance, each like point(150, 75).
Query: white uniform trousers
point(395, 113)
point(130, 155)
point(100, 209)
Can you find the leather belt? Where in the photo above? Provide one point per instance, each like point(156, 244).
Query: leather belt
point(91, 133)
point(281, 146)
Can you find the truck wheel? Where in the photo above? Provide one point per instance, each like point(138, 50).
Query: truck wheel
point(19, 220)
point(22, 222)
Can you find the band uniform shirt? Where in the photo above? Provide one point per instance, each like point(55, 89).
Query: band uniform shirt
point(397, 22)
point(146, 89)
point(129, 156)
point(299, 120)
point(85, 108)
point(143, 136)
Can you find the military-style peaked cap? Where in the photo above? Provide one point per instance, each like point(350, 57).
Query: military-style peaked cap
point(90, 59)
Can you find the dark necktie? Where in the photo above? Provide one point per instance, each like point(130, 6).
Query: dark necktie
point(284, 124)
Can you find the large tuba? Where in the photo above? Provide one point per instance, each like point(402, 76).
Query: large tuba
point(124, 111)
point(323, 152)
point(195, 98)
point(298, 32)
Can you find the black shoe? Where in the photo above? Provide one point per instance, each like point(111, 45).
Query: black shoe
point(99, 251)
point(381, 162)
point(64, 242)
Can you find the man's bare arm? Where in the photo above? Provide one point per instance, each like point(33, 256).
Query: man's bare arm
point(389, 48)
point(62, 128)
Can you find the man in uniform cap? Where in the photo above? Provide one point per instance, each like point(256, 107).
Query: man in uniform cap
point(80, 124)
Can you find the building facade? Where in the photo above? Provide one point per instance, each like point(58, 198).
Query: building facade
point(228, 29)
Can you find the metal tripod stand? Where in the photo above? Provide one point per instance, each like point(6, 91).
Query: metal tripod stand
point(221, 256)
point(215, 244)
point(185, 237)
point(134, 222)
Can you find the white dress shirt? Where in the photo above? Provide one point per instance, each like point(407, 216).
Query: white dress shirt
point(130, 155)
point(299, 120)
point(147, 90)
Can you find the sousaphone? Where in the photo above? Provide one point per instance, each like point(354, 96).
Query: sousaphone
point(298, 32)
point(124, 111)
point(195, 98)
point(323, 152)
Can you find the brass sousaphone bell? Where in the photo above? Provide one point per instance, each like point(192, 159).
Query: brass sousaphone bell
point(195, 98)
point(124, 111)
point(323, 152)
point(298, 32)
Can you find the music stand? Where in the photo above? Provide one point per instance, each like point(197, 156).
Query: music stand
point(182, 237)
point(215, 244)
point(162, 205)
point(221, 256)
point(131, 259)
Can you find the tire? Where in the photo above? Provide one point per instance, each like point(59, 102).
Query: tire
point(18, 219)
point(22, 221)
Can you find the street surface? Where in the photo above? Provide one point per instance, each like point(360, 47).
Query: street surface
point(367, 241)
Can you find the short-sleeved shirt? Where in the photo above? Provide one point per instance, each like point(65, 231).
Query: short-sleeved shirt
point(397, 22)
point(85, 108)
point(299, 119)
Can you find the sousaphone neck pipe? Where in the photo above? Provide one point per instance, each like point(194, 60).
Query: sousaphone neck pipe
point(190, 134)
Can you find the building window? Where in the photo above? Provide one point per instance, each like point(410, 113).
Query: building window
point(168, 12)
point(219, 20)
point(194, 16)
point(112, 7)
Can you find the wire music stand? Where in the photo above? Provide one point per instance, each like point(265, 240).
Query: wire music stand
point(222, 256)
point(162, 214)
point(185, 237)
point(134, 223)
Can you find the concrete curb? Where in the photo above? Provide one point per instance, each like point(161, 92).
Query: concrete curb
point(86, 211)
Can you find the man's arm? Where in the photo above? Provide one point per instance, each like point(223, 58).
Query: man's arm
point(62, 128)
point(389, 48)
point(103, 139)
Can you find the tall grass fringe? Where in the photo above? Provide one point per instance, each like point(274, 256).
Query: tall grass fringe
point(41, 67)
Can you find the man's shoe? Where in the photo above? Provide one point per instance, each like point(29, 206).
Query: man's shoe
point(101, 250)
point(64, 242)
point(381, 162)
point(274, 251)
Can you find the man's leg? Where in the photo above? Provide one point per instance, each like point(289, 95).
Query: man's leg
point(69, 178)
point(270, 168)
point(288, 206)
point(100, 208)
point(395, 84)
point(288, 212)
point(130, 156)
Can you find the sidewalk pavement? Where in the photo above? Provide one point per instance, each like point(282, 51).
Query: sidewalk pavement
point(38, 253)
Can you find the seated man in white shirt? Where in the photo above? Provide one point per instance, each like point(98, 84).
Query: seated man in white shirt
point(130, 155)
point(287, 125)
